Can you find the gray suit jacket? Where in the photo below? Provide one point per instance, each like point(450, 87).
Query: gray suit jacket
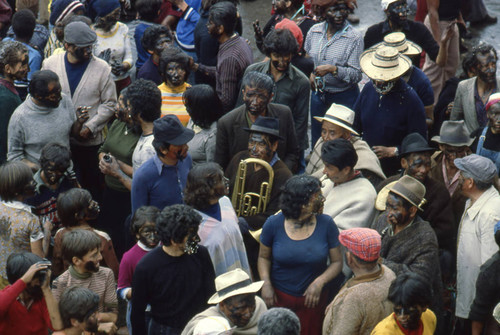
point(464, 106)
point(232, 138)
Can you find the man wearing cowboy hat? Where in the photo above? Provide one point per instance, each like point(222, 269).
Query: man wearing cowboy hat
point(337, 123)
point(262, 144)
point(349, 197)
point(362, 302)
point(236, 301)
point(414, 77)
point(387, 109)
point(415, 160)
point(476, 243)
point(160, 180)
point(454, 142)
point(408, 242)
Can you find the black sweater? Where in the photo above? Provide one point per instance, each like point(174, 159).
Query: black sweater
point(177, 288)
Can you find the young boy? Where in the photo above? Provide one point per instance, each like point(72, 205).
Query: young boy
point(78, 309)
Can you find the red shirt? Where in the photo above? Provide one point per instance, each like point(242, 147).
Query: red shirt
point(15, 319)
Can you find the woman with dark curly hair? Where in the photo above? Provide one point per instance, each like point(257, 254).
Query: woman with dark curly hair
point(206, 191)
point(295, 247)
point(205, 108)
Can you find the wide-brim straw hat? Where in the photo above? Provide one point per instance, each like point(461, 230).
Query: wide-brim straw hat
point(398, 40)
point(233, 283)
point(340, 115)
point(384, 63)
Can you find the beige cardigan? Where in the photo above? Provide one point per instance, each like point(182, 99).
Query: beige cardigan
point(96, 89)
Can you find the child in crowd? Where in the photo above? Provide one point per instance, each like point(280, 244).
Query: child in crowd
point(144, 230)
point(76, 209)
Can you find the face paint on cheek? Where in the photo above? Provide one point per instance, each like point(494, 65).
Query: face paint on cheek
point(192, 244)
point(383, 87)
point(90, 266)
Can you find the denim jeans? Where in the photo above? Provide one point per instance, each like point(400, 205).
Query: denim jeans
point(156, 328)
point(320, 102)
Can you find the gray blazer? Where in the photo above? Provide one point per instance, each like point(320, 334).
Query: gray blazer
point(464, 106)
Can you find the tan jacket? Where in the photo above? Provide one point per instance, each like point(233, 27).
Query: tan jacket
point(96, 89)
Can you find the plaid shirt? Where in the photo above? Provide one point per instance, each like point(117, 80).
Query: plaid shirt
point(342, 50)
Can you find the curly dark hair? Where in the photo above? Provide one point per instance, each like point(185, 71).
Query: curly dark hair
point(23, 24)
point(175, 222)
point(203, 105)
point(173, 54)
point(142, 216)
point(481, 49)
point(296, 193)
point(200, 184)
point(152, 34)
point(57, 154)
point(410, 289)
point(281, 42)
point(10, 53)
point(144, 98)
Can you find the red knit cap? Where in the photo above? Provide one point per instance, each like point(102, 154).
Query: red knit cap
point(363, 242)
point(294, 29)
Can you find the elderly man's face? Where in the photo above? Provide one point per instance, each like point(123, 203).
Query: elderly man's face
point(256, 100)
point(397, 12)
point(397, 214)
point(239, 309)
point(337, 14)
point(417, 165)
point(19, 69)
point(330, 131)
point(494, 118)
point(451, 153)
point(487, 67)
point(259, 146)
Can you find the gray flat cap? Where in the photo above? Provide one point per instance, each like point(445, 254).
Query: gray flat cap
point(79, 34)
point(479, 167)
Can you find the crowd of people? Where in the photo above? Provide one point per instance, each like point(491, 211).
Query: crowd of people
point(155, 180)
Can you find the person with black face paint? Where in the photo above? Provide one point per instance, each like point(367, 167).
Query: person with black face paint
point(75, 209)
point(411, 296)
point(387, 109)
point(160, 181)
point(335, 46)
point(82, 250)
point(409, 242)
point(258, 91)
point(27, 306)
point(88, 81)
point(472, 94)
point(47, 116)
point(54, 177)
point(176, 279)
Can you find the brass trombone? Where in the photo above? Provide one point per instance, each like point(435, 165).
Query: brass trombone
point(242, 202)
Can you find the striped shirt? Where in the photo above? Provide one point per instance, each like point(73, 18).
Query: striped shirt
point(171, 102)
point(343, 50)
point(233, 58)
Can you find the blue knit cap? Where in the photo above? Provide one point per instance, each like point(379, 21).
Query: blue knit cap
point(59, 9)
point(104, 7)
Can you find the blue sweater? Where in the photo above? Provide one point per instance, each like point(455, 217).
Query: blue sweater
point(386, 119)
point(156, 184)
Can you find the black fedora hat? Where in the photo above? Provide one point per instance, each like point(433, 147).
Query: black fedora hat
point(266, 125)
point(414, 142)
point(170, 130)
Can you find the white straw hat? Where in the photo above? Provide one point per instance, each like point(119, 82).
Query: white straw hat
point(398, 40)
point(233, 283)
point(339, 115)
point(384, 63)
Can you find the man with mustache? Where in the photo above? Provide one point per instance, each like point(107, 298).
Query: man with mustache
point(473, 94)
point(257, 91)
point(46, 116)
point(161, 180)
point(408, 242)
point(82, 249)
point(415, 160)
point(87, 80)
point(262, 144)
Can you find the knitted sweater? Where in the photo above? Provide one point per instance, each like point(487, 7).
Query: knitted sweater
point(360, 304)
point(96, 89)
point(117, 42)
